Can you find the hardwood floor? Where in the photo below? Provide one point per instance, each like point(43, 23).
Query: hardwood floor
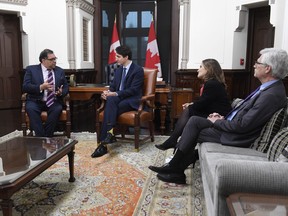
point(11, 121)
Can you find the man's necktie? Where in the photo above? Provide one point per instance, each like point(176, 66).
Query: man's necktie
point(122, 79)
point(50, 94)
point(234, 111)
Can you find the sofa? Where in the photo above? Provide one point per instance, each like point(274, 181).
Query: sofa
point(260, 169)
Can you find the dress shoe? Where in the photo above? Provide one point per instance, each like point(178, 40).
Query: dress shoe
point(99, 151)
point(167, 145)
point(166, 168)
point(177, 178)
point(110, 138)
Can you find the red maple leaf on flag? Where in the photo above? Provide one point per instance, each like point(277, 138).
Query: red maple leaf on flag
point(114, 44)
point(152, 53)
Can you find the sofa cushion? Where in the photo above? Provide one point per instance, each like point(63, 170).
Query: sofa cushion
point(271, 128)
point(283, 157)
point(278, 144)
point(212, 153)
point(211, 147)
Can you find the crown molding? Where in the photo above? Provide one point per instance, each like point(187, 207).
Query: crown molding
point(18, 2)
point(82, 4)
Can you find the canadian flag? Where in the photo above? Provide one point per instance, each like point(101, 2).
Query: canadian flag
point(152, 53)
point(114, 44)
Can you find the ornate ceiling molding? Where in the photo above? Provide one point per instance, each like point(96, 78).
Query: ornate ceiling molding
point(18, 2)
point(82, 4)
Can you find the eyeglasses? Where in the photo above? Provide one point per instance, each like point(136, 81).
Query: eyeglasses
point(52, 59)
point(259, 63)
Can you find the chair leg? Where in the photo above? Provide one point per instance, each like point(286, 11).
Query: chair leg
point(98, 126)
point(151, 129)
point(137, 134)
point(68, 129)
point(28, 128)
point(123, 131)
point(24, 129)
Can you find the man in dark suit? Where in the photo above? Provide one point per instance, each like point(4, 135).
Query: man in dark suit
point(242, 125)
point(45, 85)
point(124, 95)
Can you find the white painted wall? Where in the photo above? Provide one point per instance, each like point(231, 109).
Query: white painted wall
point(218, 29)
point(278, 10)
point(45, 27)
point(208, 38)
point(285, 28)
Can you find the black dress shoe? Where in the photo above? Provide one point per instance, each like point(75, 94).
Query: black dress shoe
point(110, 138)
point(177, 178)
point(166, 168)
point(99, 151)
point(167, 145)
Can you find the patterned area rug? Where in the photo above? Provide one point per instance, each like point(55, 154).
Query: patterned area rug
point(118, 183)
point(163, 199)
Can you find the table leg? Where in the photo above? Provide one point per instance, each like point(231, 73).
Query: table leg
point(7, 205)
point(162, 118)
point(71, 165)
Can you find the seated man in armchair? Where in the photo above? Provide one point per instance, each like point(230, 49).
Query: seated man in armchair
point(124, 95)
point(45, 85)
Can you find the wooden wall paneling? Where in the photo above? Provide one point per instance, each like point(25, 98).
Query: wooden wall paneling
point(236, 80)
point(179, 96)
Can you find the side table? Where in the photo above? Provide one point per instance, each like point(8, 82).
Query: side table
point(179, 97)
point(241, 204)
point(161, 102)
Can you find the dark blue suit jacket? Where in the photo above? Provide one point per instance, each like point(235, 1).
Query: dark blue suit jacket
point(34, 78)
point(247, 124)
point(133, 85)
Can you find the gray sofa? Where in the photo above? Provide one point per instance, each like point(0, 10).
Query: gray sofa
point(227, 170)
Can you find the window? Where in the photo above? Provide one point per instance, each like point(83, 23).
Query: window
point(134, 24)
point(85, 40)
point(136, 19)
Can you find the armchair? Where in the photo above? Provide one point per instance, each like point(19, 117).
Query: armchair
point(109, 72)
point(139, 118)
point(64, 117)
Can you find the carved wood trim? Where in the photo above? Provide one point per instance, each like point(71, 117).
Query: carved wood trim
point(82, 4)
point(18, 2)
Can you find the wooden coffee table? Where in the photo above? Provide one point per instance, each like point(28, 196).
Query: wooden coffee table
point(241, 204)
point(24, 158)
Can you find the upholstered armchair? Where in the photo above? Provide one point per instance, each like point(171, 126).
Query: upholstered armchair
point(109, 72)
point(138, 118)
point(64, 117)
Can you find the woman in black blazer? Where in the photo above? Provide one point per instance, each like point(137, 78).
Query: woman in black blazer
point(213, 98)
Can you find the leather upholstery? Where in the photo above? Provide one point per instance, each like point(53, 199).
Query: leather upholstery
point(109, 72)
point(138, 118)
point(64, 116)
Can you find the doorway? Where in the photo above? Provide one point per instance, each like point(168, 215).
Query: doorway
point(10, 61)
point(260, 35)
